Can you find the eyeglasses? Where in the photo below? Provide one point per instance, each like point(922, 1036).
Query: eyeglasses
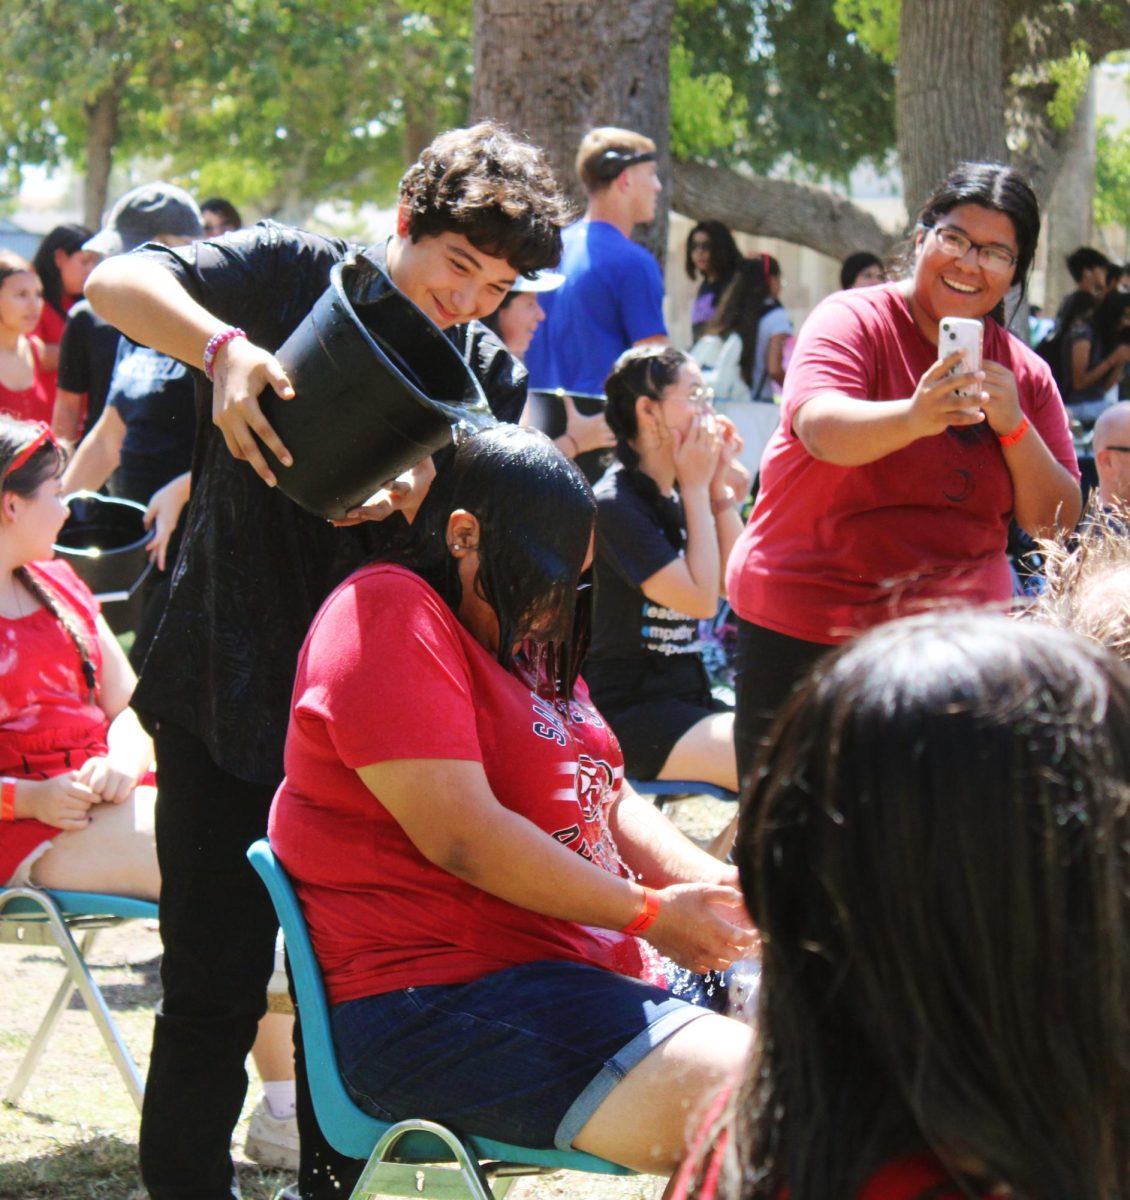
point(44, 435)
point(700, 397)
point(994, 259)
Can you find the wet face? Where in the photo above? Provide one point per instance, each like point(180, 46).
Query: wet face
point(518, 322)
point(21, 302)
point(966, 285)
point(74, 269)
point(448, 278)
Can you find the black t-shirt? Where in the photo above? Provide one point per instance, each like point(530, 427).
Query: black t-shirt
point(254, 567)
point(631, 546)
point(155, 398)
point(86, 358)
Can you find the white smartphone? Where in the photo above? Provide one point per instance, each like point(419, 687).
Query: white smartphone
point(964, 334)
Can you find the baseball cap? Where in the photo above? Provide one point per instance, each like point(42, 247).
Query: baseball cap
point(543, 281)
point(143, 213)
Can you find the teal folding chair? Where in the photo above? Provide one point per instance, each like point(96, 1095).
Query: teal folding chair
point(410, 1158)
point(30, 916)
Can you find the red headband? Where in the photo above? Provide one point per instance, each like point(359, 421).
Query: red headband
point(44, 435)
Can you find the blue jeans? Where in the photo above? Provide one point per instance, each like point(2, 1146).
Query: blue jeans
point(525, 1055)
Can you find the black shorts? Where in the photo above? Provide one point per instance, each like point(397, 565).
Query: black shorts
point(650, 703)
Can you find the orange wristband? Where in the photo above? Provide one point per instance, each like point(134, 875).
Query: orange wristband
point(645, 918)
point(7, 799)
point(1010, 439)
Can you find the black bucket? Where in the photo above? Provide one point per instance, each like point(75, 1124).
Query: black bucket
point(546, 412)
point(105, 540)
point(378, 387)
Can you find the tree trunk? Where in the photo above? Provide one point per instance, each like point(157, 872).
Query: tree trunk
point(950, 92)
point(794, 212)
point(554, 69)
point(101, 137)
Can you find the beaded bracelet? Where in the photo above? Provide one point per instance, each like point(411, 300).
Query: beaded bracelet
point(1010, 439)
point(7, 799)
point(213, 347)
point(645, 918)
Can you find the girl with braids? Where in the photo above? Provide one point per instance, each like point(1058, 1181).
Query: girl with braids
point(72, 754)
point(667, 518)
point(22, 390)
point(936, 849)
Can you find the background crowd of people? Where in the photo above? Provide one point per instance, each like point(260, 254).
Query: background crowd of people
point(441, 738)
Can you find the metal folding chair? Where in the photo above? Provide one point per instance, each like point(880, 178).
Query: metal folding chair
point(410, 1158)
point(33, 917)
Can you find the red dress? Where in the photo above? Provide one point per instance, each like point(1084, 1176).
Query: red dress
point(33, 403)
point(47, 724)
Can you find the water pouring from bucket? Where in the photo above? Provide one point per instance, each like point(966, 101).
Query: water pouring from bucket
point(378, 388)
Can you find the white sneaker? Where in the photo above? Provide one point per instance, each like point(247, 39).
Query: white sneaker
point(271, 1141)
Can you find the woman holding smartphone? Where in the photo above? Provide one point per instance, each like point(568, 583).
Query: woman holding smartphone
point(886, 490)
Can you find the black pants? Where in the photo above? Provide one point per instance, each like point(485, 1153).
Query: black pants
point(768, 666)
point(218, 930)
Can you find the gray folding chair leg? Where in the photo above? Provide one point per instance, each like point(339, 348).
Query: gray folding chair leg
point(78, 976)
point(438, 1181)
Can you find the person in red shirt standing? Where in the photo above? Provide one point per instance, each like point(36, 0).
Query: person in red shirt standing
point(23, 393)
point(886, 488)
point(62, 266)
point(937, 854)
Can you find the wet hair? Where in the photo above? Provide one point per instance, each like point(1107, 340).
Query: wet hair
point(495, 190)
point(536, 514)
point(724, 252)
point(743, 304)
point(998, 187)
point(1085, 258)
point(68, 238)
point(46, 462)
point(855, 264)
point(225, 210)
point(601, 144)
point(646, 370)
point(936, 849)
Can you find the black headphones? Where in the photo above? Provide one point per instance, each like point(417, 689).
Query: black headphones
point(614, 162)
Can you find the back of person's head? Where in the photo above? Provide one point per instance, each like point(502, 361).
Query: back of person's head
point(1111, 318)
point(1076, 306)
point(742, 305)
point(492, 188)
point(68, 238)
point(606, 152)
point(29, 455)
point(1085, 258)
point(724, 252)
point(855, 264)
point(936, 849)
point(995, 186)
point(536, 513)
point(220, 216)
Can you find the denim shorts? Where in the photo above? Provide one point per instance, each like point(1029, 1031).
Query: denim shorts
point(525, 1055)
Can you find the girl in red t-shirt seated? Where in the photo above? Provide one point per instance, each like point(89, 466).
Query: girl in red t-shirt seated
point(937, 854)
point(71, 750)
point(477, 878)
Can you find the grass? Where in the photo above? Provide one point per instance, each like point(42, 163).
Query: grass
point(73, 1135)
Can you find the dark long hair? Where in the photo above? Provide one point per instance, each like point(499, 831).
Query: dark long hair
point(1108, 320)
point(742, 306)
point(643, 371)
point(536, 513)
point(46, 462)
point(68, 238)
point(724, 252)
point(1001, 188)
point(936, 848)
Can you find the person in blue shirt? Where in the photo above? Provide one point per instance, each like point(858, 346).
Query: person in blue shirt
point(612, 297)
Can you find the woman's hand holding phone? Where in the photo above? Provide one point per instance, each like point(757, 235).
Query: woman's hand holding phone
point(939, 400)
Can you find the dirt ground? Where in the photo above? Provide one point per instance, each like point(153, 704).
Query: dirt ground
point(73, 1135)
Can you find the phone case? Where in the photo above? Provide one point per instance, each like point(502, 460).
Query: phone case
point(964, 334)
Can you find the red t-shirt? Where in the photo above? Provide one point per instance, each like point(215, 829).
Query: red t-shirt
point(831, 550)
point(387, 672)
point(50, 332)
point(47, 724)
point(33, 403)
